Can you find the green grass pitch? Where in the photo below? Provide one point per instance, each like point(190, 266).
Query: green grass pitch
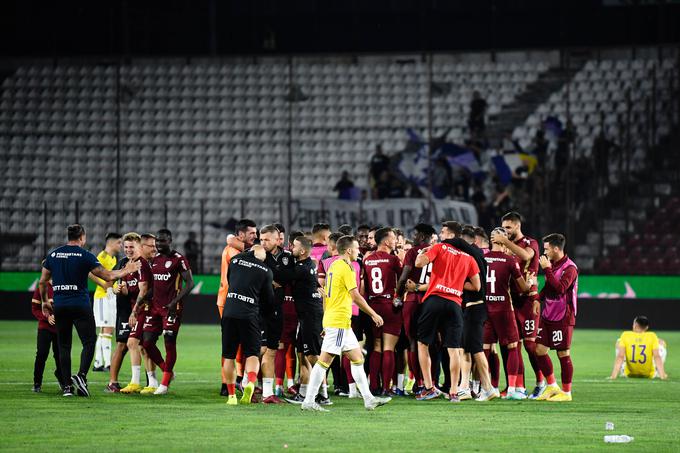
point(195, 418)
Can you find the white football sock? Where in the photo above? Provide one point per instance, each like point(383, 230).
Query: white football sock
point(136, 372)
point(106, 349)
point(153, 382)
point(98, 357)
point(324, 390)
point(290, 383)
point(400, 381)
point(353, 389)
point(361, 381)
point(303, 389)
point(315, 380)
point(267, 387)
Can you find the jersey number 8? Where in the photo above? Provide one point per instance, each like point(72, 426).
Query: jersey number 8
point(376, 281)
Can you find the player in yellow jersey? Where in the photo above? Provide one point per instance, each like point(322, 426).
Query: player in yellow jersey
point(105, 304)
point(338, 337)
point(640, 352)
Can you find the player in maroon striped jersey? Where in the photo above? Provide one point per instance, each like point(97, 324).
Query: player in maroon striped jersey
point(136, 321)
point(411, 278)
point(525, 250)
point(169, 269)
point(381, 271)
point(131, 289)
point(502, 271)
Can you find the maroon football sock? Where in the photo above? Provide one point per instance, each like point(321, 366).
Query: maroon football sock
point(520, 369)
point(513, 362)
point(154, 353)
point(530, 347)
point(546, 368)
point(387, 368)
point(374, 367)
point(346, 365)
point(567, 372)
point(170, 355)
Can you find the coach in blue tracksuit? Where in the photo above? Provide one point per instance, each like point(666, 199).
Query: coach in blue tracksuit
point(69, 266)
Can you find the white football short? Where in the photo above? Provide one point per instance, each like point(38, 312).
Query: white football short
point(105, 310)
point(336, 341)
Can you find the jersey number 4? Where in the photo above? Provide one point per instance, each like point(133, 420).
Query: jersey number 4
point(491, 279)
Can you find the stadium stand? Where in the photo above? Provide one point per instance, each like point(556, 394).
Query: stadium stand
point(217, 132)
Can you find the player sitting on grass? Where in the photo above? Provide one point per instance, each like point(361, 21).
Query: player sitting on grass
point(633, 352)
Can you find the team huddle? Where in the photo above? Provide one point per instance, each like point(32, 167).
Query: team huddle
point(436, 305)
point(450, 307)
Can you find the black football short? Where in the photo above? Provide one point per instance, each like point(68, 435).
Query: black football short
point(123, 328)
point(272, 328)
point(473, 328)
point(441, 315)
point(309, 334)
point(244, 332)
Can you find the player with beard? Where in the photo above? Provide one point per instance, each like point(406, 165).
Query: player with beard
point(250, 295)
point(131, 288)
point(68, 268)
point(284, 363)
point(370, 240)
point(381, 271)
point(558, 317)
point(136, 322)
point(412, 286)
point(170, 269)
point(281, 263)
point(246, 233)
point(525, 250)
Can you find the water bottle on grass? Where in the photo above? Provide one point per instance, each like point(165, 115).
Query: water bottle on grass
point(618, 439)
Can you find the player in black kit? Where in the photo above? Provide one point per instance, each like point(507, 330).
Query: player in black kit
point(309, 308)
point(281, 263)
point(250, 293)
